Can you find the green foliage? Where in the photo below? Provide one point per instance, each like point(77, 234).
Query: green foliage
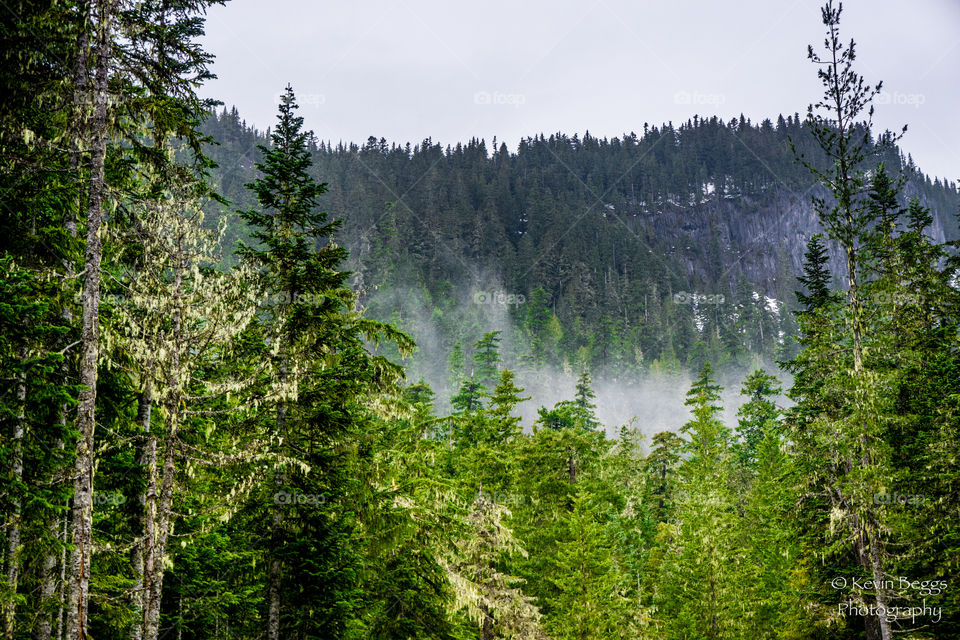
point(255, 416)
point(759, 416)
point(602, 295)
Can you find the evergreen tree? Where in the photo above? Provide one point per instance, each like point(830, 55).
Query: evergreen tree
point(698, 589)
point(589, 600)
point(321, 369)
point(860, 410)
point(758, 416)
point(505, 398)
point(486, 357)
point(816, 275)
point(583, 399)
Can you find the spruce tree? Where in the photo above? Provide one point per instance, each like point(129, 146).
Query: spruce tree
point(840, 123)
point(816, 275)
point(758, 416)
point(698, 590)
point(321, 369)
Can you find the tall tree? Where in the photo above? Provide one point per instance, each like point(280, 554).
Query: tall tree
point(758, 415)
point(81, 517)
point(322, 366)
point(697, 590)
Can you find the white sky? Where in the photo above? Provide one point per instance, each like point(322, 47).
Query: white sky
point(410, 69)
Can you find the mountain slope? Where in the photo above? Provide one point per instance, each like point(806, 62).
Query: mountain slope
point(661, 249)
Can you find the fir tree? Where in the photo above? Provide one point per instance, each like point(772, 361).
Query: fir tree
point(759, 415)
point(321, 368)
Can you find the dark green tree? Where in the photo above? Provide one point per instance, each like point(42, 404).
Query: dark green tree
point(322, 370)
point(758, 415)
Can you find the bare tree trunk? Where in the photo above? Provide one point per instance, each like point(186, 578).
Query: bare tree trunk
point(276, 568)
point(13, 531)
point(148, 459)
point(82, 511)
point(49, 580)
point(164, 515)
point(149, 530)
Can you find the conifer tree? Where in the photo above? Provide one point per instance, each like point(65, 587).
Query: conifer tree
point(322, 366)
point(490, 597)
point(758, 415)
point(698, 589)
point(505, 398)
point(589, 600)
point(486, 357)
point(583, 399)
point(176, 318)
point(840, 123)
point(816, 275)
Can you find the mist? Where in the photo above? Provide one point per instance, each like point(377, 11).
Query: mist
point(650, 401)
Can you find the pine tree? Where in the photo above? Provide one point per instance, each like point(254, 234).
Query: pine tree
point(175, 318)
point(758, 416)
point(505, 398)
point(661, 467)
point(583, 399)
point(857, 420)
point(697, 588)
point(321, 367)
point(490, 597)
point(589, 600)
point(486, 357)
point(816, 275)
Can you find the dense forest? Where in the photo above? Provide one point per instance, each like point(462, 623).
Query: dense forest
point(256, 385)
point(662, 250)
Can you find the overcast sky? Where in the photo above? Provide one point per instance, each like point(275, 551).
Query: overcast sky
point(410, 69)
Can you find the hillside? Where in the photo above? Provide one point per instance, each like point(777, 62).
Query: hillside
point(664, 248)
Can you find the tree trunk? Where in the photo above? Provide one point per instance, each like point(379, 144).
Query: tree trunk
point(854, 299)
point(49, 582)
point(148, 462)
point(276, 567)
point(62, 610)
point(876, 569)
point(164, 520)
point(486, 628)
point(149, 529)
point(273, 590)
point(164, 516)
point(13, 531)
point(49, 578)
point(82, 511)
